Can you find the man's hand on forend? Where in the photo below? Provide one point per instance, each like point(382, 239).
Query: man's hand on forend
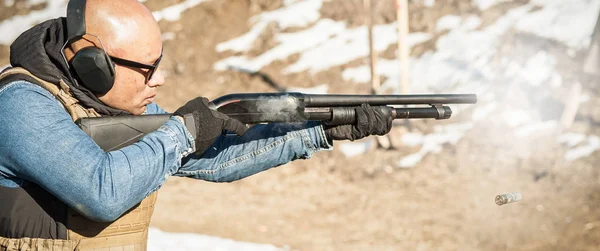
point(369, 121)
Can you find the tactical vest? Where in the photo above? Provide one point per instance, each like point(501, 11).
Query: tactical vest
point(128, 233)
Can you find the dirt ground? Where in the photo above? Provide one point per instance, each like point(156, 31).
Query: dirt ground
point(331, 202)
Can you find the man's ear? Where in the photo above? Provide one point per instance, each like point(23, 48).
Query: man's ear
point(75, 46)
point(69, 53)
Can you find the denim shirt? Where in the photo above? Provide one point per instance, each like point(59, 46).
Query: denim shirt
point(39, 143)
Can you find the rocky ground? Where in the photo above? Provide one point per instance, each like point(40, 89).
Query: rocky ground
point(366, 202)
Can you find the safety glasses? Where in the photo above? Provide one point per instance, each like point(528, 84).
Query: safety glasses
point(151, 68)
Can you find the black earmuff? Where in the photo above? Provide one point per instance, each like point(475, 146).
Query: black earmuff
point(94, 69)
point(92, 65)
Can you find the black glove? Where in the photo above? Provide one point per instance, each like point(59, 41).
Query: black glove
point(208, 124)
point(369, 121)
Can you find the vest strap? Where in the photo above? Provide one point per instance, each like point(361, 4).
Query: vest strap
point(27, 244)
point(63, 94)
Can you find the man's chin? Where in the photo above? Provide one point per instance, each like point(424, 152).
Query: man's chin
point(138, 110)
point(142, 111)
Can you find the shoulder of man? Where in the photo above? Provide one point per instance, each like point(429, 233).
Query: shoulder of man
point(22, 97)
point(20, 88)
point(21, 80)
point(56, 92)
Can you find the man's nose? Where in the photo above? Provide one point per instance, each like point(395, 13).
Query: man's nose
point(157, 79)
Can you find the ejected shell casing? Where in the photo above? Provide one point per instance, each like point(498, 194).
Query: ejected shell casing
point(508, 198)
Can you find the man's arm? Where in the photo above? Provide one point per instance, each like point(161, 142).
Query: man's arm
point(262, 147)
point(41, 144)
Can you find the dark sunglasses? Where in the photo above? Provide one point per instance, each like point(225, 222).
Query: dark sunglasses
point(151, 68)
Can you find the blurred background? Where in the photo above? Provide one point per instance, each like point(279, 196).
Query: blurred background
point(535, 130)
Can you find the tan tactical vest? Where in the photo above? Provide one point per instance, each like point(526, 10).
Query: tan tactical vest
point(128, 233)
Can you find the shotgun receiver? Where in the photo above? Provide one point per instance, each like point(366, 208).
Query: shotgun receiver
point(115, 132)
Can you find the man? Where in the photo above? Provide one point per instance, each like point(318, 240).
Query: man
point(59, 190)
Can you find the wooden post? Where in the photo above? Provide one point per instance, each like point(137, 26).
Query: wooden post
point(403, 50)
point(369, 12)
point(571, 106)
point(382, 141)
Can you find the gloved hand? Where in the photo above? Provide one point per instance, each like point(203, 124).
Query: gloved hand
point(369, 121)
point(208, 124)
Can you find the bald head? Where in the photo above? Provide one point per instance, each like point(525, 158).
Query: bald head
point(128, 31)
point(126, 27)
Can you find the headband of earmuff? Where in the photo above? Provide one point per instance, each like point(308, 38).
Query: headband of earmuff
point(75, 19)
point(92, 65)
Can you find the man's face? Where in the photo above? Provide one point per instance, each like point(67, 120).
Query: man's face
point(127, 30)
point(131, 92)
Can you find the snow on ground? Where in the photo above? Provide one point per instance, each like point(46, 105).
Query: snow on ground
point(173, 12)
point(318, 50)
point(428, 3)
point(12, 27)
point(432, 143)
point(592, 145)
point(28, 3)
point(467, 59)
point(463, 63)
point(581, 145)
point(319, 89)
point(351, 149)
point(293, 14)
point(448, 22)
point(289, 44)
point(570, 22)
point(348, 45)
point(485, 4)
point(159, 240)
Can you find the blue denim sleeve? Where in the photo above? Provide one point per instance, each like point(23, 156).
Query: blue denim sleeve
point(264, 146)
point(153, 108)
point(40, 143)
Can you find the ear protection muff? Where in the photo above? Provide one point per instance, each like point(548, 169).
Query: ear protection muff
point(94, 69)
point(92, 65)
